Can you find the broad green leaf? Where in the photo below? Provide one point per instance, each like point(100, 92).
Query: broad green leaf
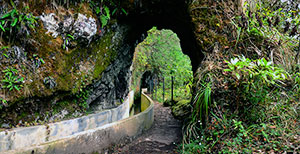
point(103, 20)
point(5, 55)
point(106, 9)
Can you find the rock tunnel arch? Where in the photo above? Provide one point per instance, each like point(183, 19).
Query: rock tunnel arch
point(164, 14)
point(142, 15)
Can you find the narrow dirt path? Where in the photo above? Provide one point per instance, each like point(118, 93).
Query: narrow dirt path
point(162, 138)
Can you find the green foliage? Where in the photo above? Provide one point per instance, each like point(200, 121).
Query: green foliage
point(102, 9)
point(263, 28)
point(267, 21)
point(38, 61)
point(251, 111)
point(67, 40)
point(3, 103)
point(105, 16)
point(117, 7)
point(4, 50)
point(202, 102)
point(229, 135)
point(11, 79)
point(160, 53)
point(82, 96)
point(296, 87)
point(255, 78)
point(192, 148)
point(16, 21)
point(50, 82)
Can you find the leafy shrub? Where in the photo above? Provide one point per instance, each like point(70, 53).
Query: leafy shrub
point(67, 41)
point(255, 103)
point(252, 106)
point(254, 78)
point(50, 82)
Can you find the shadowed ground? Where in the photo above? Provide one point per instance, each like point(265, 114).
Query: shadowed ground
point(163, 137)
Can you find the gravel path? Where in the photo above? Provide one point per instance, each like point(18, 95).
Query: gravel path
point(162, 138)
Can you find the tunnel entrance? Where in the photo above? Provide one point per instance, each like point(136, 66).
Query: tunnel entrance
point(156, 61)
point(147, 81)
point(164, 14)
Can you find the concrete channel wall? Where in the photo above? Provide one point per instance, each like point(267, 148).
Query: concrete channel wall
point(92, 133)
point(36, 135)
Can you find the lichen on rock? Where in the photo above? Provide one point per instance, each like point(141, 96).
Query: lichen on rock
point(83, 27)
point(50, 22)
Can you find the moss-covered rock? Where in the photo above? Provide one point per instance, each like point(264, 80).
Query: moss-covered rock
point(181, 109)
point(89, 72)
point(170, 102)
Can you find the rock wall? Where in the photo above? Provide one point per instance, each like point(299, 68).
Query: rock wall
point(114, 84)
point(99, 66)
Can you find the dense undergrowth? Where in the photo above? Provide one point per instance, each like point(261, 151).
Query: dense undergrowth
point(247, 100)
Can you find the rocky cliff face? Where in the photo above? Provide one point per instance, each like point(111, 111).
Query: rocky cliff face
point(69, 57)
point(114, 84)
point(66, 63)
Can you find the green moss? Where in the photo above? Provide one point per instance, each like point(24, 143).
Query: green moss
point(72, 70)
point(104, 56)
point(92, 61)
point(169, 102)
point(181, 109)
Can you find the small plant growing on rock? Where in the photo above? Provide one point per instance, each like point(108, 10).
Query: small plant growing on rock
point(17, 23)
point(82, 97)
point(11, 80)
point(37, 61)
point(50, 82)
point(3, 102)
point(105, 16)
point(67, 40)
